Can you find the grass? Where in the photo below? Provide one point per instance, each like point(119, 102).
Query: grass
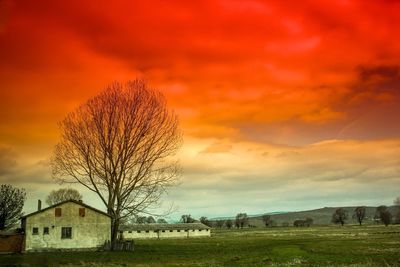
point(315, 246)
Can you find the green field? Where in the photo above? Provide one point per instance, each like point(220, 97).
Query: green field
point(315, 246)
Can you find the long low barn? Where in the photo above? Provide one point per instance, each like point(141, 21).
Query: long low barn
point(165, 230)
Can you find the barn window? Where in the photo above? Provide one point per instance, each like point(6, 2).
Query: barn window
point(45, 230)
point(57, 212)
point(130, 232)
point(200, 230)
point(138, 231)
point(82, 212)
point(171, 231)
point(147, 231)
point(35, 231)
point(186, 230)
point(179, 230)
point(66, 232)
point(206, 230)
point(163, 231)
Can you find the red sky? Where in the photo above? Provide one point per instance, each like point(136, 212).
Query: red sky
point(244, 76)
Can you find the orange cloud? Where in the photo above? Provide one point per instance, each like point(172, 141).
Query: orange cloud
point(244, 71)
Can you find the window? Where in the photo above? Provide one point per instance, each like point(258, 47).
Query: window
point(163, 231)
point(186, 230)
point(57, 212)
point(35, 231)
point(138, 231)
point(193, 230)
point(130, 232)
point(179, 230)
point(200, 230)
point(82, 212)
point(171, 231)
point(147, 231)
point(66, 232)
point(45, 230)
point(206, 230)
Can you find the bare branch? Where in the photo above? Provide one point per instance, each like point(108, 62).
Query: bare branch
point(119, 145)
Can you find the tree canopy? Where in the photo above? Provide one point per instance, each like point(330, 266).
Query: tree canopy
point(11, 203)
point(60, 195)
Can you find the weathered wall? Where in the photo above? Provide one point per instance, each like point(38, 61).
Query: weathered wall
point(11, 243)
point(89, 231)
point(200, 233)
point(166, 234)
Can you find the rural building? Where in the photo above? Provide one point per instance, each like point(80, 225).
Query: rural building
point(164, 230)
point(66, 225)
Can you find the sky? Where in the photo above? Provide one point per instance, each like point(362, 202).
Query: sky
point(284, 105)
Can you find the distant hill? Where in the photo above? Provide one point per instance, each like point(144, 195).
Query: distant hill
point(250, 216)
point(321, 216)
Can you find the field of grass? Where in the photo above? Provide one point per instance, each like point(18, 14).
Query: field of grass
point(315, 246)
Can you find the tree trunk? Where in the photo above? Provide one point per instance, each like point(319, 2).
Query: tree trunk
point(114, 232)
point(2, 224)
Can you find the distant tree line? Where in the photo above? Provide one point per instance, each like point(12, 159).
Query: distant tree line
point(303, 223)
point(141, 219)
point(382, 214)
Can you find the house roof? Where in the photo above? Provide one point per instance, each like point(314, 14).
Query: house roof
point(163, 226)
point(63, 202)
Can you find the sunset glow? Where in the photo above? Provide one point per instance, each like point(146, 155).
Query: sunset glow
point(284, 105)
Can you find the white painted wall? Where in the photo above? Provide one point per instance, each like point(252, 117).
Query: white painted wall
point(89, 231)
point(166, 234)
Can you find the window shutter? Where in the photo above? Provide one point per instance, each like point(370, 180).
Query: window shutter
point(82, 212)
point(58, 212)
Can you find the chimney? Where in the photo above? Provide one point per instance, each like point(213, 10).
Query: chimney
point(39, 205)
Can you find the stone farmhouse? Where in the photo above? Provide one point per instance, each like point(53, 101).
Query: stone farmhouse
point(67, 225)
point(164, 230)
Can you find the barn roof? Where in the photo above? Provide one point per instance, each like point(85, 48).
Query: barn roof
point(163, 226)
point(63, 202)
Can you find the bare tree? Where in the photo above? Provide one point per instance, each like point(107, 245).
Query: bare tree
point(11, 204)
point(204, 220)
point(339, 216)
point(119, 145)
point(299, 223)
point(141, 219)
point(237, 222)
point(229, 224)
point(384, 215)
point(267, 220)
point(150, 219)
point(359, 214)
point(242, 219)
point(220, 223)
point(187, 218)
point(397, 201)
point(57, 196)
